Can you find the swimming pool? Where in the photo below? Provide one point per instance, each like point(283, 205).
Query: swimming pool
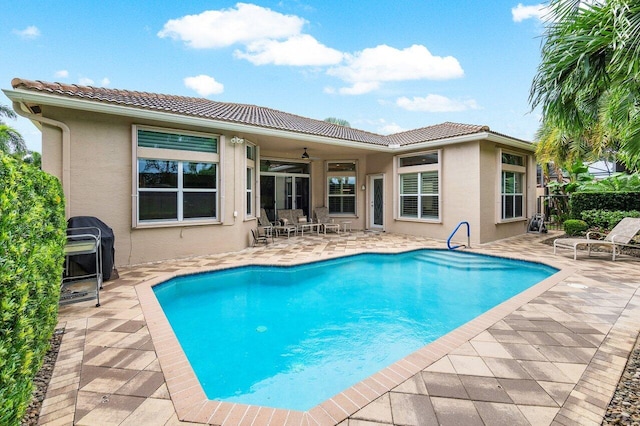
point(291, 337)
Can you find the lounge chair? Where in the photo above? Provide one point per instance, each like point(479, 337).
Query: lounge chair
point(322, 217)
point(287, 223)
point(620, 236)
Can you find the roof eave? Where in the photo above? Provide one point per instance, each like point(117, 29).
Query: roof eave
point(490, 136)
point(27, 96)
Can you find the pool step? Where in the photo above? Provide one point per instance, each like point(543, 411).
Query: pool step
point(462, 261)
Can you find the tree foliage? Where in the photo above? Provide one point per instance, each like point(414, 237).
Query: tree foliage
point(338, 121)
point(588, 80)
point(11, 141)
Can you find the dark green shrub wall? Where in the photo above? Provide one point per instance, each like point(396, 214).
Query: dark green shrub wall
point(606, 219)
point(32, 237)
point(624, 201)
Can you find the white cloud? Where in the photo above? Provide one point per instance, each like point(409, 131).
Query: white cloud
point(204, 85)
point(360, 88)
point(29, 33)
point(62, 74)
point(222, 28)
point(435, 103)
point(390, 128)
point(85, 81)
point(522, 12)
point(105, 82)
point(299, 50)
point(370, 67)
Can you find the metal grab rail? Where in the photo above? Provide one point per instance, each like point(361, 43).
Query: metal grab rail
point(456, 230)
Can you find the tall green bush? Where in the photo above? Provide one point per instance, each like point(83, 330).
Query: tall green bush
point(606, 219)
point(32, 236)
point(623, 201)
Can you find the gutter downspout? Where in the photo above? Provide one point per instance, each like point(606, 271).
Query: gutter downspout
point(66, 149)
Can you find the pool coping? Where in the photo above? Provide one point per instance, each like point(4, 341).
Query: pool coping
point(191, 404)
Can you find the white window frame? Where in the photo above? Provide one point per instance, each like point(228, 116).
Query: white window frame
point(517, 169)
point(417, 169)
point(250, 181)
point(342, 174)
point(180, 156)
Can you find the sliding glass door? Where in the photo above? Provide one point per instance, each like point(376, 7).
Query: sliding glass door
point(284, 185)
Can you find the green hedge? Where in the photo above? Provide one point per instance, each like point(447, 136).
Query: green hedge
point(622, 201)
point(575, 227)
point(32, 236)
point(606, 219)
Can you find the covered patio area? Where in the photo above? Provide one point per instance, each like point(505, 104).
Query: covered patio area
point(551, 355)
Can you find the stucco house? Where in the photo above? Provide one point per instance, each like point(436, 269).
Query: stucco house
point(178, 176)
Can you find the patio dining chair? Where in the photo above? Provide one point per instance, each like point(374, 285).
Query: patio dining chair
point(322, 217)
point(260, 237)
point(620, 236)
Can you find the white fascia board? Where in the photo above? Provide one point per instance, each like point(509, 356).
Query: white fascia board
point(144, 114)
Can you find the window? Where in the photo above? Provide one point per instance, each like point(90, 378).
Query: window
point(512, 183)
point(177, 177)
point(250, 180)
point(341, 187)
point(419, 178)
point(176, 190)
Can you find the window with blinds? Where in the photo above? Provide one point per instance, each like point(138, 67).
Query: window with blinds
point(341, 187)
point(419, 186)
point(512, 186)
point(177, 141)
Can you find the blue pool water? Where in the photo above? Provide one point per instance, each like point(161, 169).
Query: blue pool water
point(292, 337)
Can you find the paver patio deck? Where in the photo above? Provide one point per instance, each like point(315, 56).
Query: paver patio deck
point(551, 355)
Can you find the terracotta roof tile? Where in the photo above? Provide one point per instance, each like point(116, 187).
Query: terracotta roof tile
point(244, 114)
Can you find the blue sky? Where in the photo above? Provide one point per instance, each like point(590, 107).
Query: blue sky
point(384, 66)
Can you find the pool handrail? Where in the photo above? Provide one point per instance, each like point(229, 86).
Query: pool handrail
point(464, 222)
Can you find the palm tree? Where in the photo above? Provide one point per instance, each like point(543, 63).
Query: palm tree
point(11, 141)
point(589, 74)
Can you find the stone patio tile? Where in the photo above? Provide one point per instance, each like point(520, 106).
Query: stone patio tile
point(112, 411)
point(507, 336)
point(444, 385)
point(357, 422)
point(414, 385)
point(145, 383)
point(493, 413)
point(563, 354)
point(491, 349)
point(484, 389)
point(506, 368)
point(379, 410)
point(121, 358)
point(456, 412)
point(409, 409)
point(104, 380)
point(443, 365)
point(470, 365)
point(545, 370)
point(538, 416)
point(526, 392)
point(464, 349)
point(151, 411)
point(524, 351)
point(558, 391)
point(538, 338)
point(573, 371)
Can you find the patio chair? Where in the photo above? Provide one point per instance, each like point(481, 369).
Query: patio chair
point(621, 235)
point(259, 237)
point(286, 223)
point(322, 216)
point(265, 223)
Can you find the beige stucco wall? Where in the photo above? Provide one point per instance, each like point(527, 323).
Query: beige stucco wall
point(101, 186)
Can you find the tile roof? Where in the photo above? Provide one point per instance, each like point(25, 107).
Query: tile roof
point(244, 114)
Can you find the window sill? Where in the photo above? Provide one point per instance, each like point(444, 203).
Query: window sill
point(514, 220)
point(416, 220)
point(186, 223)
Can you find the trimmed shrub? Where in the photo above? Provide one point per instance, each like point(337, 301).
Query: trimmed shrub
point(575, 226)
point(606, 219)
point(611, 201)
point(32, 237)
